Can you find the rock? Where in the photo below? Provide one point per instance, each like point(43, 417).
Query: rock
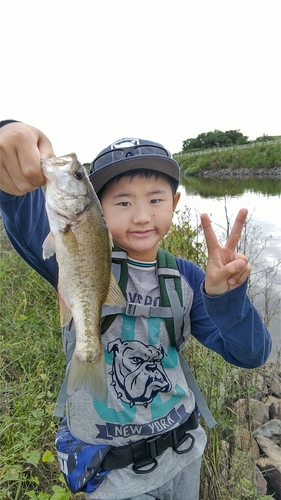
point(274, 405)
point(272, 473)
point(276, 387)
point(272, 450)
point(255, 410)
point(243, 441)
point(275, 410)
point(261, 387)
point(265, 462)
point(270, 430)
point(260, 413)
point(272, 375)
point(261, 483)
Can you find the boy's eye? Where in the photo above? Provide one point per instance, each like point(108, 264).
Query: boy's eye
point(157, 200)
point(124, 204)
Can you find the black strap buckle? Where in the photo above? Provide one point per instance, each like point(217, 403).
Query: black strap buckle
point(138, 467)
point(152, 453)
point(181, 441)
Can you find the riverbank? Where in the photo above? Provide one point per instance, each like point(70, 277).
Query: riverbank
point(260, 160)
point(241, 173)
point(256, 440)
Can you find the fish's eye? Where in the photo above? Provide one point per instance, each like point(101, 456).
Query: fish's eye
point(79, 175)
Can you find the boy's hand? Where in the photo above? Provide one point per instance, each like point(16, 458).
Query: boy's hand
point(226, 269)
point(21, 147)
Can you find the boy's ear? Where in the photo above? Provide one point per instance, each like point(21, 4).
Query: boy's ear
point(176, 200)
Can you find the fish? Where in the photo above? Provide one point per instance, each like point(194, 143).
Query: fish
point(82, 244)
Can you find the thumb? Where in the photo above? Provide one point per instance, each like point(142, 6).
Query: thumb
point(44, 146)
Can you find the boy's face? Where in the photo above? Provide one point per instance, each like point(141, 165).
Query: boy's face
point(139, 212)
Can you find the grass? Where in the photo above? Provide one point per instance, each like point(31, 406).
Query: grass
point(31, 372)
point(265, 156)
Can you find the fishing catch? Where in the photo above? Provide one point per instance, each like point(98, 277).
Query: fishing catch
point(80, 239)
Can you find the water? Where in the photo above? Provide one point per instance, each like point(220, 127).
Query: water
point(262, 199)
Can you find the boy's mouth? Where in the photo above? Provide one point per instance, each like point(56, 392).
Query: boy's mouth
point(142, 233)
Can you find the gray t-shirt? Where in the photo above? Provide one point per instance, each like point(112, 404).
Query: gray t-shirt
point(147, 391)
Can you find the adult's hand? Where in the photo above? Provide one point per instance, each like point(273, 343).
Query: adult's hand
point(226, 269)
point(21, 147)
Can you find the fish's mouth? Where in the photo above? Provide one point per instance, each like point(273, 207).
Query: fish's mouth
point(57, 162)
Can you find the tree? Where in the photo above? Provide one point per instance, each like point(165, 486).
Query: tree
point(214, 139)
point(264, 138)
point(236, 137)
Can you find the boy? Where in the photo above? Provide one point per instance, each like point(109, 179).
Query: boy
point(149, 415)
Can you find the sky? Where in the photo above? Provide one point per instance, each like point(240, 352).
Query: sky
point(89, 72)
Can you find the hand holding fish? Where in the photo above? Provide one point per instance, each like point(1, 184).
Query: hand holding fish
point(226, 269)
point(21, 147)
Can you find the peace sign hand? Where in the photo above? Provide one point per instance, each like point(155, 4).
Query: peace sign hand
point(226, 269)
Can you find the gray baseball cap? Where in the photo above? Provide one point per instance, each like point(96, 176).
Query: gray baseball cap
point(129, 154)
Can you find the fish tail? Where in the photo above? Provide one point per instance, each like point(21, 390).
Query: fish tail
point(90, 376)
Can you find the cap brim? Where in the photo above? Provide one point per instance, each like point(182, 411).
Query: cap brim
point(162, 165)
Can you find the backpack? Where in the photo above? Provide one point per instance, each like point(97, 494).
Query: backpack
point(171, 310)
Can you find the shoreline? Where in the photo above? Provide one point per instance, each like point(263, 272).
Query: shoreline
point(239, 172)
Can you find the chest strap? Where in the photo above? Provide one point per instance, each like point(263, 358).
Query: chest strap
point(171, 309)
point(144, 453)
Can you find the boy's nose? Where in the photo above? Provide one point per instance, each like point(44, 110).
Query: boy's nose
point(141, 215)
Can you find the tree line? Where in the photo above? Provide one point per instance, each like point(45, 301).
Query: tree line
point(217, 138)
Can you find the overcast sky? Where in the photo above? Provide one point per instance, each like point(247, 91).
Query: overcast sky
point(89, 72)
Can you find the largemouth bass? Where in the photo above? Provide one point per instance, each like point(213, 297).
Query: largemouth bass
point(80, 239)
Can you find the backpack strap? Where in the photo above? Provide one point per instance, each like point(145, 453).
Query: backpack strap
point(171, 295)
point(69, 341)
point(199, 398)
point(171, 308)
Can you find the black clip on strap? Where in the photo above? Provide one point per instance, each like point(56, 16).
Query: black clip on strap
point(181, 441)
point(138, 467)
point(152, 453)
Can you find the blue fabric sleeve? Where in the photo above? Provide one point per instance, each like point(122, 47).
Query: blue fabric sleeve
point(228, 324)
point(27, 226)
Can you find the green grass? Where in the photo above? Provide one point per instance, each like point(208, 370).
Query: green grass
point(265, 156)
point(32, 370)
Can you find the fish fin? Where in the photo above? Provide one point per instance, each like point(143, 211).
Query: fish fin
point(90, 376)
point(65, 312)
point(114, 295)
point(49, 248)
